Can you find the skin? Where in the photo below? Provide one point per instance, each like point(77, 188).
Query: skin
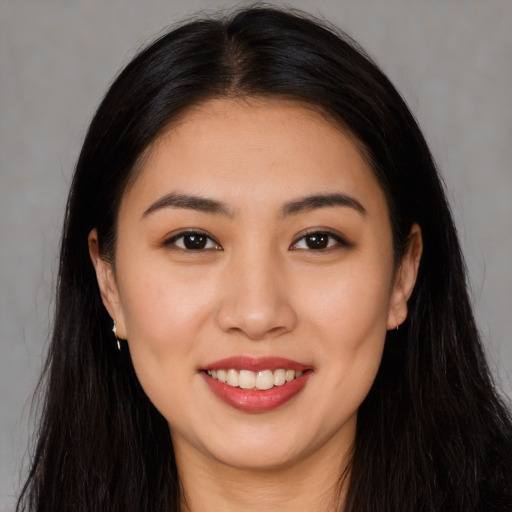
point(256, 289)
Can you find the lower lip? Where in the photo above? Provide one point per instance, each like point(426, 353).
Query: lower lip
point(254, 400)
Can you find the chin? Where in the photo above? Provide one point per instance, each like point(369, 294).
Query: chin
point(270, 456)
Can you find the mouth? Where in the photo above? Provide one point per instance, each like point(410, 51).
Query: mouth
point(256, 384)
point(247, 379)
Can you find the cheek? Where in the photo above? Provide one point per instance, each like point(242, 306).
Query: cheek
point(347, 301)
point(163, 306)
point(347, 319)
point(164, 314)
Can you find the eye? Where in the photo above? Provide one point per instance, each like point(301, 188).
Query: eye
point(318, 240)
point(193, 241)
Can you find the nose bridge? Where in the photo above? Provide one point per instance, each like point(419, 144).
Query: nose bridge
point(255, 300)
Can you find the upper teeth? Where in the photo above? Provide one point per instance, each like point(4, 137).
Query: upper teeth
point(245, 379)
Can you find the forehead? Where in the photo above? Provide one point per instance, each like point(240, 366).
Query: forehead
point(236, 149)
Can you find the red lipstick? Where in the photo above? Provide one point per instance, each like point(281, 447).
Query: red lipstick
point(255, 400)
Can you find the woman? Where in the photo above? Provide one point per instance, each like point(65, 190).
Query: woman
point(257, 217)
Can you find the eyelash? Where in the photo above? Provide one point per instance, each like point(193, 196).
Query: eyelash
point(333, 240)
point(199, 234)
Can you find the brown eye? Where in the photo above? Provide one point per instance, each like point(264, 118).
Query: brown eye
point(318, 240)
point(193, 241)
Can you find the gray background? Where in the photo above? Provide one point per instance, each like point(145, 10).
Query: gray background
point(451, 59)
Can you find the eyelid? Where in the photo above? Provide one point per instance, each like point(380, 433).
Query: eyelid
point(338, 237)
point(341, 241)
point(170, 241)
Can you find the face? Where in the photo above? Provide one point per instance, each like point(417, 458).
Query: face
point(255, 247)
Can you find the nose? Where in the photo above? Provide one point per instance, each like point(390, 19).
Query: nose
point(255, 301)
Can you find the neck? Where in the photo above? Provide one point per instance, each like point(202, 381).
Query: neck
point(314, 484)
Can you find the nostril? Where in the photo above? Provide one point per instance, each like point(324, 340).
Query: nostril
point(251, 316)
point(258, 333)
point(277, 331)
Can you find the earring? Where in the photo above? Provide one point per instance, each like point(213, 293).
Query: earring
point(114, 330)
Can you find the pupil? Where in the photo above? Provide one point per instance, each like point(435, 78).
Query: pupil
point(318, 241)
point(195, 242)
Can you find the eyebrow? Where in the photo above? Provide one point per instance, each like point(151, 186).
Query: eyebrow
point(181, 201)
point(318, 201)
point(207, 205)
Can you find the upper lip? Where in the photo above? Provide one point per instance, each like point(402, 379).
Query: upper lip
point(255, 364)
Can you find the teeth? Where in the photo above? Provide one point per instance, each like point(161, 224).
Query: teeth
point(262, 380)
point(232, 379)
point(265, 380)
point(246, 379)
point(279, 377)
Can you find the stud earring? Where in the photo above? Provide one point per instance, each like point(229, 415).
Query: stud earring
point(114, 330)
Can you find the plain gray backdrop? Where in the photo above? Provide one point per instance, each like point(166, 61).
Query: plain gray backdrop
point(451, 59)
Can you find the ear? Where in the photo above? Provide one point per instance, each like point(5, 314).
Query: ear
point(107, 284)
point(405, 278)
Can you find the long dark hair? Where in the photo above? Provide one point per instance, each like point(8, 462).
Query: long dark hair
point(432, 435)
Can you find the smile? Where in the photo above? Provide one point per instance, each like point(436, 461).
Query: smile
point(247, 379)
point(256, 384)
